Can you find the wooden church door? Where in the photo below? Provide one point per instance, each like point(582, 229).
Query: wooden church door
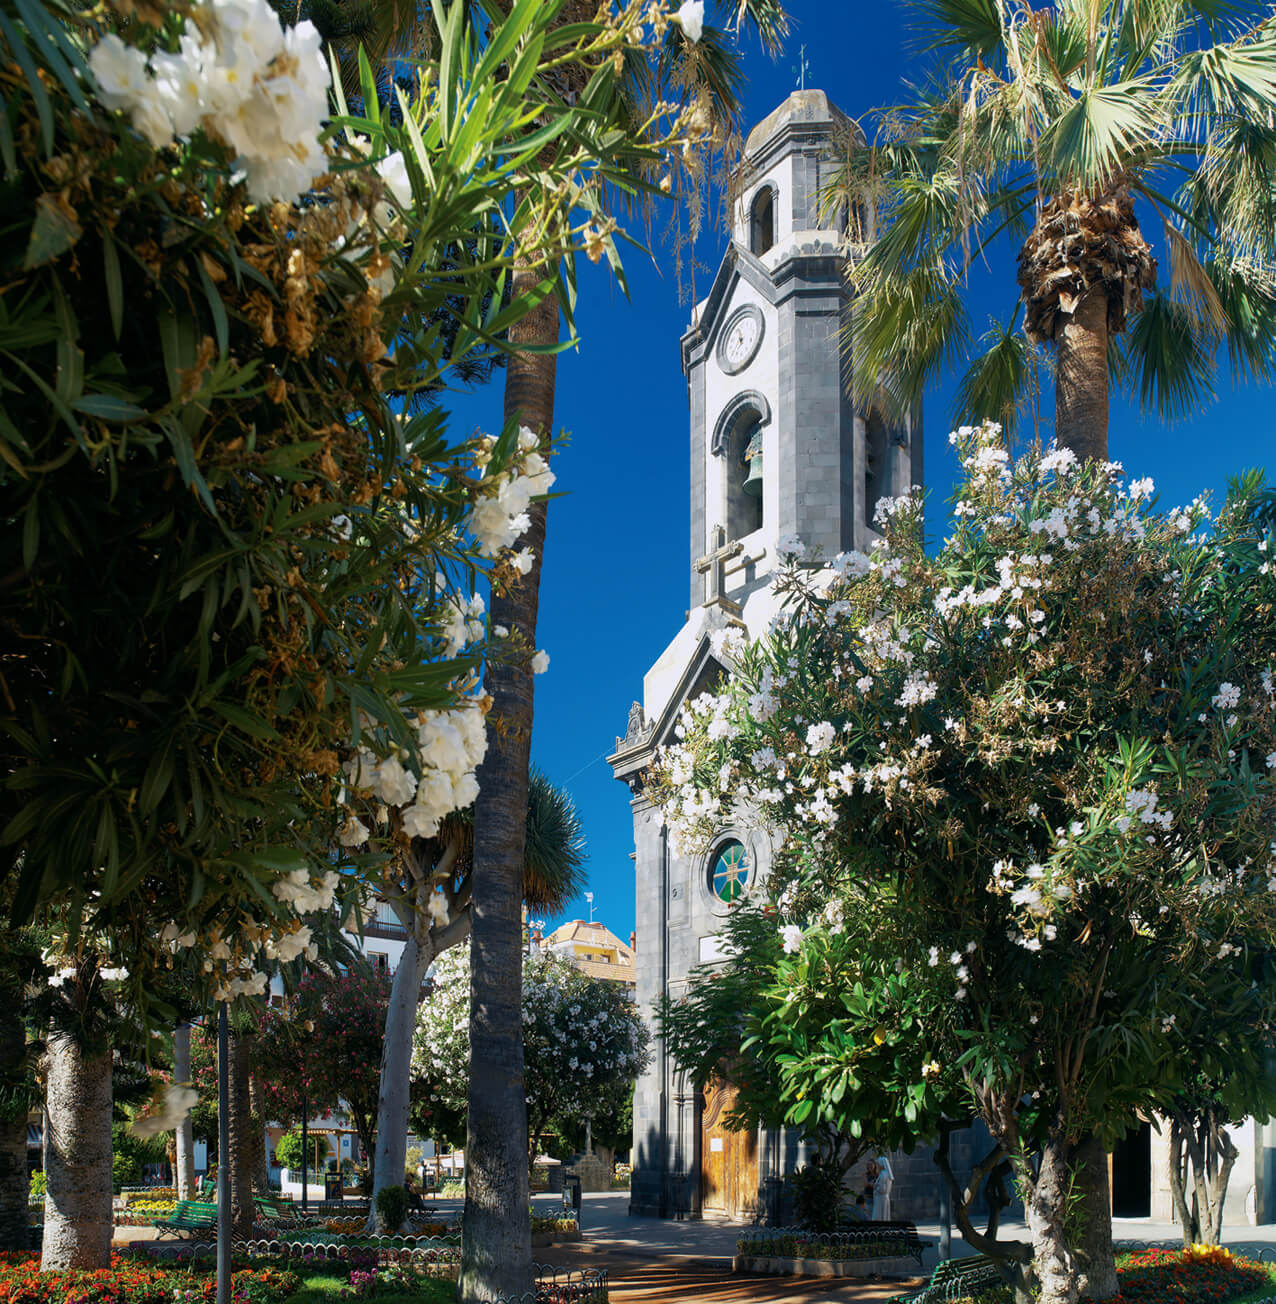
point(728, 1160)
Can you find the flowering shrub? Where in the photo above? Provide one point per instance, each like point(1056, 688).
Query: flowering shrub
point(208, 373)
point(584, 1041)
point(553, 1222)
point(1020, 791)
point(130, 1280)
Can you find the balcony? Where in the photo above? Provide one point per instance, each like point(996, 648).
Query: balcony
point(383, 923)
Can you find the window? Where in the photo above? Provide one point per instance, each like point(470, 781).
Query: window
point(729, 871)
point(379, 960)
point(762, 221)
point(876, 460)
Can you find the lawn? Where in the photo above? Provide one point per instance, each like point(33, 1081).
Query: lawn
point(322, 1287)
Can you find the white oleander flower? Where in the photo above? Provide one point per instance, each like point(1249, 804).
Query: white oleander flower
point(691, 16)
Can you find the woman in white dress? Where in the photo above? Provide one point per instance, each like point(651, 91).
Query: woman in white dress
point(882, 1189)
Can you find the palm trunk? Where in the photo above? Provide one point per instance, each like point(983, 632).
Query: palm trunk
point(257, 1107)
point(396, 1073)
point(1081, 387)
point(14, 1187)
point(77, 1157)
point(240, 1159)
point(496, 1254)
point(184, 1138)
point(1092, 1242)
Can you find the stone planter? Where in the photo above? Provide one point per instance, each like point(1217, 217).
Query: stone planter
point(776, 1267)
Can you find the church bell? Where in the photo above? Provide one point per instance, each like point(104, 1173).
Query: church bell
point(753, 460)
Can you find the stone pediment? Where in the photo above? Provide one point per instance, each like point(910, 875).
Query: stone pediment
point(703, 672)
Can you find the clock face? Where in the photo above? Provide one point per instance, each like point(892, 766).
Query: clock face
point(740, 340)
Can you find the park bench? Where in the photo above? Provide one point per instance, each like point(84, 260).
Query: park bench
point(955, 1278)
point(280, 1213)
point(189, 1216)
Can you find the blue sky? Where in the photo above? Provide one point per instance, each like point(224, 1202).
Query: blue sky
point(615, 582)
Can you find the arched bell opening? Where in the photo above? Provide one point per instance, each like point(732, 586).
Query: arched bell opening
point(762, 221)
point(876, 446)
point(744, 471)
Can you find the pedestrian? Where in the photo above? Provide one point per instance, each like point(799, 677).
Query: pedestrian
point(882, 1189)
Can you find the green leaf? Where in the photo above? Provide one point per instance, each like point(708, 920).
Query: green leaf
point(108, 407)
point(245, 720)
point(114, 282)
point(52, 233)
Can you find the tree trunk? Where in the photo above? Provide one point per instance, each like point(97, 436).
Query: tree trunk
point(77, 1155)
point(240, 1159)
point(14, 1187)
point(184, 1137)
point(396, 1073)
point(1081, 385)
point(1225, 1155)
point(257, 1107)
point(1092, 1240)
point(496, 1255)
point(1046, 1210)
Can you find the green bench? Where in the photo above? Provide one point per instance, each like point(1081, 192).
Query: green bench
point(955, 1278)
point(188, 1216)
point(280, 1213)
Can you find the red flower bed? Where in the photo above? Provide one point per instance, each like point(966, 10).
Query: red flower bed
point(1195, 1276)
point(130, 1281)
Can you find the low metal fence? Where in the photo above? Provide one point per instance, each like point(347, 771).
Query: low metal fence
point(562, 1286)
point(869, 1240)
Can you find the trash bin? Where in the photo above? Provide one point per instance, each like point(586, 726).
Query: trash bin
point(571, 1193)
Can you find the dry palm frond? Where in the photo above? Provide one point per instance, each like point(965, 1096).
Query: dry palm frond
point(1079, 243)
point(1191, 284)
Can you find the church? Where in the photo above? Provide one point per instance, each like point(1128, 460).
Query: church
point(776, 448)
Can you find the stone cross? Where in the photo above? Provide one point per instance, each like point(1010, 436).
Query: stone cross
point(714, 565)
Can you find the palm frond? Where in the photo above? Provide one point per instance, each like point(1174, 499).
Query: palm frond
point(767, 18)
point(1001, 381)
point(1232, 77)
point(906, 328)
point(1247, 291)
point(1090, 143)
point(1190, 283)
point(707, 67)
point(1167, 359)
point(969, 28)
point(553, 870)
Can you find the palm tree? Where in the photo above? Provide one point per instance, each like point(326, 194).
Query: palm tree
point(439, 869)
point(77, 1146)
point(1057, 126)
point(496, 1241)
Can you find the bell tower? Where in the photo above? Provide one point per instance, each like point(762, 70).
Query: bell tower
point(776, 445)
point(777, 448)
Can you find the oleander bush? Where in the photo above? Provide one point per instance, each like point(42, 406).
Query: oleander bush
point(1204, 1274)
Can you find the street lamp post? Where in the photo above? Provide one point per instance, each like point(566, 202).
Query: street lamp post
point(305, 1147)
point(223, 1155)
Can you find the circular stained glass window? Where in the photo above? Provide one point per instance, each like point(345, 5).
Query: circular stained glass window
point(729, 876)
